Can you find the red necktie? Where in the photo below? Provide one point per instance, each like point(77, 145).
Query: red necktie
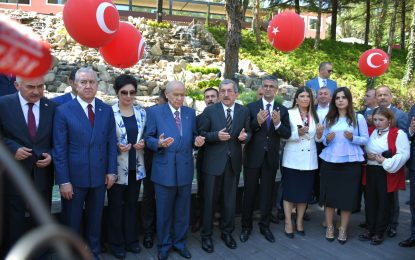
point(91, 115)
point(177, 118)
point(31, 121)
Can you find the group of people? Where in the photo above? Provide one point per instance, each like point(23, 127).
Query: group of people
point(91, 149)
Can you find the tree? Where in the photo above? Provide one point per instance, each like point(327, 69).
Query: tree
point(379, 31)
point(317, 39)
point(367, 26)
point(234, 18)
point(256, 23)
point(334, 9)
point(159, 11)
point(392, 28)
point(410, 58)
point(403, 13)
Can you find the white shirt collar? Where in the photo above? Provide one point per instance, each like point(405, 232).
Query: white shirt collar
point(84, 104)
point(226, 108)
point(174, 110)
point(265, 103)
point(23, 101)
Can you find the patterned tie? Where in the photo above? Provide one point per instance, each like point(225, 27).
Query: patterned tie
point(269, 116)
point(324, 82)
point(31, 121)
point(228, 120)
point(91, 115)
point(177, 118)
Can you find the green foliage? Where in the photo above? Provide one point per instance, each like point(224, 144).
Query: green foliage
point(195, 93)
point(208, 83)
point(300, 65)
point(202, 69)
point(251, 96)
point(159, 25)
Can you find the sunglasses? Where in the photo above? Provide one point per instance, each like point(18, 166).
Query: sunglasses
point(330, 71)
point(125, 92)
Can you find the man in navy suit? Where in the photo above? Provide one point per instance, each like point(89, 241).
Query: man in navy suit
point(384, 98)
point(85, 156)
point(7, 85)
point(171, 134)
point(410, 242)
point(26, 129)
point(226, 127)
point(71, 95)
point(324, 71)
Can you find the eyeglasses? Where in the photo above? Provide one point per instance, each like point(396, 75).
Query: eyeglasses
point(268, 86)
point(126, 93)
point(330, 71)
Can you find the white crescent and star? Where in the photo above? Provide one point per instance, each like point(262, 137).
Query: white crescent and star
point(370, 63)
point(140, 47)
point(100, 17)
point(275, 30)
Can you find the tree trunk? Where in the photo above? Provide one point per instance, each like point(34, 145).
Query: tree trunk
point(159, 11)
point(234, 17)
point(256, 23)
point(317, 39)
point(380, 30)
point(403, 14)
point(367, 27)
point(391, 39)
point(245, 4)
point(334, 10)
point(410, 58)
point(297, 6)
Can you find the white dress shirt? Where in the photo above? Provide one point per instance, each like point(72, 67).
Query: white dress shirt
point(25, 109)
point(84, 105)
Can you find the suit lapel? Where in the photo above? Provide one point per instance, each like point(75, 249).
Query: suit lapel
point(20, 120)
point(171, 123)
point(78, 111)
point(98, 119)
point(44, 118)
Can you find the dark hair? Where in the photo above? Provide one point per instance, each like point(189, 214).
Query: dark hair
point(271, 78)
point(333, 114)
point(386, 112)
point(311, 108)
point(72, 74)
point(323, 65)
point(209, 89)
point(123, 80)
point(162, 95)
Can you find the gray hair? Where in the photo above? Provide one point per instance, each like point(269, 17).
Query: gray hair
point(323, 65)
point(323, 88)
point(88, 70)
point(171, 84)
point(270, 78)
point(229, 81)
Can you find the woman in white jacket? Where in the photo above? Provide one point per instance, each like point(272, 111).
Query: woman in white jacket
point(300, 158)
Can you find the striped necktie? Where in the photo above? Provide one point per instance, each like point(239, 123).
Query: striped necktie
point(228, 120)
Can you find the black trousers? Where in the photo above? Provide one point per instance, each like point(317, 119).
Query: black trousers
point(123, 212)
point(212, 184)
point(263, 178)
point(148, 204)
point(377, 200)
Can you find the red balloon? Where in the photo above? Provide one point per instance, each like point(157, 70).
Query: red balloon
point(373, 62)
point(286, 31)
point(22, 52)
point(92, 23)
point(126, 49)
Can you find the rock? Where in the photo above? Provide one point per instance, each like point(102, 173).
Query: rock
point(177, 67)
point(143, 88)
point(50, 77)
point(162, 64)
point(102, 68)
point(103, 86)
point(199, 105)
point(155, 91)
point(156, 50)
point(152, 84)
point(105, 76)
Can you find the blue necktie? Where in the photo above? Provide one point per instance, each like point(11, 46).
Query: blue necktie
point(269, 116)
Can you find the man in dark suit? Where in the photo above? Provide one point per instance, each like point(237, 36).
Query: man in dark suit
point(85, 156)
point(7, 85)
point(26, 128)
point(171, 134)
point(410, 242)
point(269, 123)
point(226, 126)
point(71, 95)
point(323, 80)
point(384, 98)
point(370, 104)
point(211, 97)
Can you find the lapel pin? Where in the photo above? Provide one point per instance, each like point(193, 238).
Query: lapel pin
point(99, 109)
point(46, 105)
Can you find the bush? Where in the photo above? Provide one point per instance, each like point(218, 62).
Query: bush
point(251, 96)
point(196, 94)
point(153, 23)
point(208, 83)
point(202, 69)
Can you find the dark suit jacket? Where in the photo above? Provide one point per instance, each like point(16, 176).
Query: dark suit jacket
point(411, 163)
point(15, 134)
point(84, 155)
point(63, 98)
point(401, 118)
point(216, 152)
point(314, 85)
point(7, 85)
point(172, 166)
point(262, 137)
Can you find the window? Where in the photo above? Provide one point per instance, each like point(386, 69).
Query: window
point(57, 2)
point(25, 2)
point(312, 23)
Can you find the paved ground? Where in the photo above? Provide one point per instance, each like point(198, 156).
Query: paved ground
point(312, 246)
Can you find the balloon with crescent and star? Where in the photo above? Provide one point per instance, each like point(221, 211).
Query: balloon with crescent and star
point(286, 31)
point(91, 23)
point(373, 63)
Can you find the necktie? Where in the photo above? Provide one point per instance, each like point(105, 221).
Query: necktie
point(228, 120)
point(324, 82)
point(91, 115)
point(269, 116)
point(177, 118)
point(31, 121)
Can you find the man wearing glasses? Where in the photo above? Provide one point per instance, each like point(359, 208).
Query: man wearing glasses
point(324, 71)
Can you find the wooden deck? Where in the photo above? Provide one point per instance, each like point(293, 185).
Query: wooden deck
point(312, 246)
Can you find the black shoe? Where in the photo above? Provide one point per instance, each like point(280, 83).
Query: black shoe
point(266, 232)
point(367, 236)
point(118, 252)
point(196, 226)
point(184, 253)
point(392, 232)
point(162, 256)
point(274, 219)
point(363, 225)
point(134, 248)
point(148, 240)
point(376, 240)
point(306, 217)
point(407, 243)
point(300, 232)
point(244, 235)
point(207, 244)
point(229, 241)
point(289, 235)
point(281, 215)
